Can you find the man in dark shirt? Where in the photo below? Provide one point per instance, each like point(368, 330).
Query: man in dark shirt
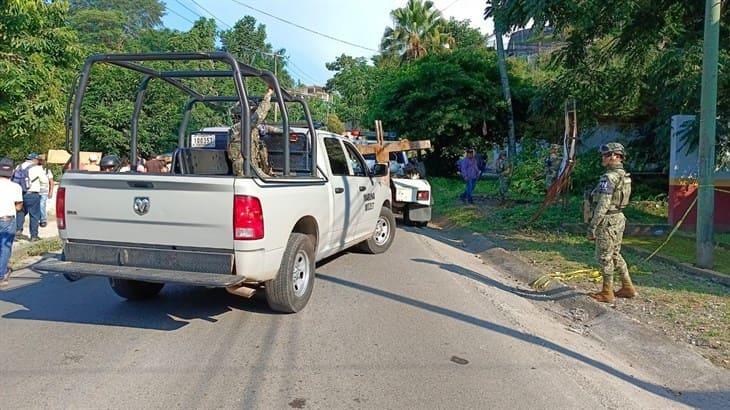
point(154, 165)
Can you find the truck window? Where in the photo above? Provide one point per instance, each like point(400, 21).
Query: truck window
point(358, 166)
point(338, 161)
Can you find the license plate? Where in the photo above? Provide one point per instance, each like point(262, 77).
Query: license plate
point(203, 141)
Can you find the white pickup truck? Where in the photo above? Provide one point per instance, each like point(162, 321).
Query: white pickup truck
point(202, 225)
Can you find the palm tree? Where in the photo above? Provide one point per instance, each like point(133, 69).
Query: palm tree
point(417, 29)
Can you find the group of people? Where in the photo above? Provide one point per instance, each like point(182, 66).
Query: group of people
point(24, 190)
point(471, 167)
point(112, 163)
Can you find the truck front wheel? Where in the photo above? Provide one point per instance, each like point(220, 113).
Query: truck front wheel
point(383, 235)
point(135, 289)
point(289, 292)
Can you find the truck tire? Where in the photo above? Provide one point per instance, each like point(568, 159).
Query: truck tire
point(383, 235)
point(289, 292)
point(135, 289)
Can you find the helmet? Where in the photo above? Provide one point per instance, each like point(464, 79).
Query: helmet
point(110, 161)
point(613, 148)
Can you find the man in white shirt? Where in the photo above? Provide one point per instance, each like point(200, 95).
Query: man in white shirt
point(31, 197)
point(46, 190)
point(11, 201)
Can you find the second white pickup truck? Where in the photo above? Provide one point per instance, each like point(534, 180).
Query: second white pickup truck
point(202, 225)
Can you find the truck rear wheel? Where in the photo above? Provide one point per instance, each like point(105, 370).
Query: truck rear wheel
point(135, 289)
point(289, 292)
point(383, 235)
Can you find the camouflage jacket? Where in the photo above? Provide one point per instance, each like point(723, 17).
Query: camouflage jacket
point(605, 196)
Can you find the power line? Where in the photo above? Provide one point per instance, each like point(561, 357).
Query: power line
point(304, 28)
point(214, 16)
point(450, 4)
point(188, 8)
point(180, 15)
point(302, 71)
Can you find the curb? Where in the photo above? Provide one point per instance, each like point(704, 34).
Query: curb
point(685, 267)
point(515, 267)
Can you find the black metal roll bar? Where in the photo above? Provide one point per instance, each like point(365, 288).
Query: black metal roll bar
point(238, 72)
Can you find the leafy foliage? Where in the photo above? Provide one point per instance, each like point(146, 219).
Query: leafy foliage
point(452, 99)
point(418, 28)
point(352, 84)
point(37, 53)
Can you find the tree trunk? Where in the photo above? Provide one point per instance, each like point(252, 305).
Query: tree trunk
point(502, 64)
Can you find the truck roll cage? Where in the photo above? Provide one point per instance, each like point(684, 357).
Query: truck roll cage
point(239, 72)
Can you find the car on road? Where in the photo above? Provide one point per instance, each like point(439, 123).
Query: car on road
point(202, 225)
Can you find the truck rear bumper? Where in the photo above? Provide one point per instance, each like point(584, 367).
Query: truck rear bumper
point(141, 274)
point(418, 213)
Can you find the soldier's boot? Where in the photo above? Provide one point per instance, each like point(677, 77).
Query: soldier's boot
point(606, 295)
point(627, 288)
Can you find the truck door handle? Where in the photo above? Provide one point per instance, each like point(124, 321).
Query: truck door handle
point(362, 188)
point(339, 190)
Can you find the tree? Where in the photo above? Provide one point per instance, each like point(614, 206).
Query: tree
point(136, 15)
point(38, 55)
point(247, 40)
point(504, 79)
point(417, 29)
point(335, 125)
point(353, 83)
point(462, 35)
point(452, 99)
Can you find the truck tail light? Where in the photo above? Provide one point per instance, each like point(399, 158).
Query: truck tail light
point(423, 195)
point(248, 218)
point(61, 208)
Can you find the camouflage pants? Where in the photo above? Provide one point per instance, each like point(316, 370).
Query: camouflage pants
point(609, 235)
point(550, 178)
point(503, 187)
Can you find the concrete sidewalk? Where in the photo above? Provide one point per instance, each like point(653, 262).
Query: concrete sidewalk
point(50, 231)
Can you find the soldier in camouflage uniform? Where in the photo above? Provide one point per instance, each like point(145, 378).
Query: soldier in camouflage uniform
point(552, 165)
point(259, 153)
point(608, 222)
point(502, 167)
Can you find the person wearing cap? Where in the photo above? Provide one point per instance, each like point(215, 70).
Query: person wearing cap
point(11, 201)
point(607, 224)
point(469, 169)
point(552, 165)
point(31, 197)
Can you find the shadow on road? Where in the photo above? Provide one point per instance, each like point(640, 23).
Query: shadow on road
point(91, 301)
point(553, 294)
point(704, 399)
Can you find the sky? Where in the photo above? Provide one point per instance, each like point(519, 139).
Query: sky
point(360, 22)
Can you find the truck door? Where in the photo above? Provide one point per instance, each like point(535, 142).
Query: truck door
point(347, 199)
point(367, 214)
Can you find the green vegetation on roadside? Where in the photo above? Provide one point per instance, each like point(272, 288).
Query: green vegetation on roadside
point(681, 249)
point(32, 249)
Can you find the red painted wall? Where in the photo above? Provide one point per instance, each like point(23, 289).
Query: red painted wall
point(681, 197)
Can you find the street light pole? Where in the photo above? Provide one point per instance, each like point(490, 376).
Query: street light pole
point(708, 115)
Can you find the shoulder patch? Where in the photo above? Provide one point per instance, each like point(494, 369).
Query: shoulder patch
point(606, 186)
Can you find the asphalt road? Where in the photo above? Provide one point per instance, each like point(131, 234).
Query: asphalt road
point(408, 329)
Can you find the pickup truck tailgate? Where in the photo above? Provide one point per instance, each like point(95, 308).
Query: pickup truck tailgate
point(189, 212)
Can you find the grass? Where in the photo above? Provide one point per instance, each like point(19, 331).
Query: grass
point(682, 249)
point(685, 307)
point(34, 249)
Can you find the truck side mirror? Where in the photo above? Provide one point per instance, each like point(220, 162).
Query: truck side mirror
point(380, 170)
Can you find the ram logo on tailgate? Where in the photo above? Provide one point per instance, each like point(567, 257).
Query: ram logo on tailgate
point(141, 205)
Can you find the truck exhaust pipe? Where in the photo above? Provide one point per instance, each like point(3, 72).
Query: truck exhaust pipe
point(242, 290)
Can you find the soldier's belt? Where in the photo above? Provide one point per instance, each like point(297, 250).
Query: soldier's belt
point(618, 211)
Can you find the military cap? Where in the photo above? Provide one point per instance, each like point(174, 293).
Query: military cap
point(613, 148)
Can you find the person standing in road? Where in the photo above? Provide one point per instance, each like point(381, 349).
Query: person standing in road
point(46, 190)
point(607, 224)
point(30, 177)
point(502, 167)
point(469, 169)
point(11, 201)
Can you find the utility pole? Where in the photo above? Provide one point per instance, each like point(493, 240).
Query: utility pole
point(708, 115)
point(501, 63)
